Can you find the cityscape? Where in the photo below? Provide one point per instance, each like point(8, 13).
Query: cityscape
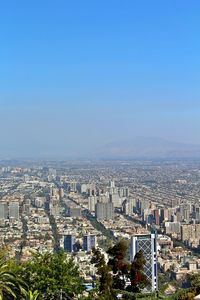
point(78, 206)
point(99, 150)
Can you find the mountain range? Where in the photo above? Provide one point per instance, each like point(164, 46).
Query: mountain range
point(141, 147)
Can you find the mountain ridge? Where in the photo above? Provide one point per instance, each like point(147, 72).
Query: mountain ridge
point(150, 147)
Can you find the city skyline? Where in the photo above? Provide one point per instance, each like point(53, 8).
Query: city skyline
point(77, 76)
point(143, 213)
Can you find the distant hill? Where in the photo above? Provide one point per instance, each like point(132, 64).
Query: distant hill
point(141, 147)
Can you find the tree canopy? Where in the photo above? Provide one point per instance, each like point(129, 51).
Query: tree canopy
point(118, 273)
point(11, 286)
point(52, 274)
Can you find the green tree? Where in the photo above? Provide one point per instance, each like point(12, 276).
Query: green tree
point(186, 295)
point(105, 243)
point(52, 274)
point(114, 275)
point(11, 287)
point(195, 282)
point(137, 276)
point(104, 274)
point(119, 264)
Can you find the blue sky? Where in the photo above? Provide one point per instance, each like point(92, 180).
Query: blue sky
point(75, 75)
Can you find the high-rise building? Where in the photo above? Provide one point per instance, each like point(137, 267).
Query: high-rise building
point(196, 212)
point(127, 207)
point(61, 193)
point(104, 211)
point(73, 186)
point(164, 215)
point(89, 242)
point(112, 188)
point(185, 210)
point(146, 243)
point(3, 210)
point(143, 204)
point(100, 210)
point(69, 243)
point(109, 211)
point(112, 183)
point(172, 228)
point(121, 192)
point(14, 210)
point(126, 192)
point(190, 232)
point(115, 199)
point(84, 188)
point(92, 200)
point(156, 214)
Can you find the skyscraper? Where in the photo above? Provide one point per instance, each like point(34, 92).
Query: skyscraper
point(156, 214)
point(112, 184)
point(89, 242)
point(69, 243)
point(100, 211)
point(92, 200)
point(14, 210)
point(3, 210)
point(104, 211)
point(146, 243)
point(109, 211)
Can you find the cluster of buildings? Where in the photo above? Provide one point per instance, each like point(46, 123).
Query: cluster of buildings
point(76, 204)
point(9, 211)
point(181, 221)
point(71, 244)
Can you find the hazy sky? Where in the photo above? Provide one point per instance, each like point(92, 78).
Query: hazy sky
point(75, 75)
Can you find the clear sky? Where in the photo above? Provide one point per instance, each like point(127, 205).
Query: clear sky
point(77, 74)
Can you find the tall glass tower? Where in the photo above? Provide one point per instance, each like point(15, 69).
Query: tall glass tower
point(146, 243)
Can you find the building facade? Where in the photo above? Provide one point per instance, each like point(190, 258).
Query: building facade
point(69, 243)
point(104, 211)
point(147, 243)
point(3, 210)
point(89, 242)
point(14, 210)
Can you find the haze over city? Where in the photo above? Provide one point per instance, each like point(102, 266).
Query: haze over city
point(99, 150)
point(77, 76)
